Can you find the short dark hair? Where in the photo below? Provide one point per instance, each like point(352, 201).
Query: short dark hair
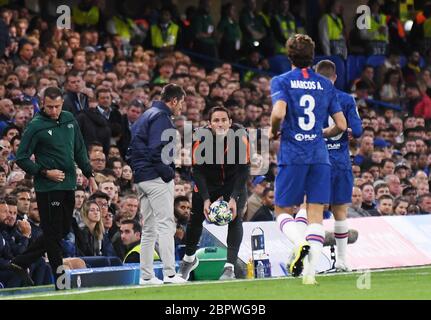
point(380, 186)
point(99, 194)
point(179, 199)
point(266, 191)
point(11, 200)
point(300, 50)
point(102, 90)
point(72, 73)
point(172, 91)
point(219, 109)
point(385, 196)
point(326, 68)
point(136, 226)
point(52, 93)
point(20, 189)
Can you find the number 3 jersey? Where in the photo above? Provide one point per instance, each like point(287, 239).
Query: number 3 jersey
point(310, 99)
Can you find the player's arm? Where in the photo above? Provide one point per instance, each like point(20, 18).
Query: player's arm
point(337, 115)
point(279, 106)
point(355, 122)
point(277, 115)
point(339, 126)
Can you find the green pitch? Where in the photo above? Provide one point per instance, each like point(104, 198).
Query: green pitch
point(412, 283)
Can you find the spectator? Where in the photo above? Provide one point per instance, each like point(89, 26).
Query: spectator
point(25, 53)
point(79, 201)
point(387, 167)
point(368, 197)
point(266, 211)
point(412, 70)
point(164, 34)
point(7, 112)
point(254, 202)
point(126, 180)
point(252, 27)
point(384, 206)
point(365, 150)
point(94, 240)
point(355, 208)
point(131, 238)
point(109, 112)
point(424, 203)
point(400, 206)
point(134, 111)
point(203, 28)
point(423, 108)
point(391, 90)
point(182, 208)
point(332, 31)
point(9, 275)
point(377, 37)
point(381, 189)
point(98, 161)
point(75, 100)
point(394, 185)
point(129, 207)
point(94, 127)
point(283, 25)
point(229, 33)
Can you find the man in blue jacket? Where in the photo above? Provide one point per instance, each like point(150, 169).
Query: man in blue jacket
point(155, 185)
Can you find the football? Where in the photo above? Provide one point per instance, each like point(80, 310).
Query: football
point(220, 214)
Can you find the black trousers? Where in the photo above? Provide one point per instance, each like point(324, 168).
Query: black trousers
point(56, 212)
point(234, 233)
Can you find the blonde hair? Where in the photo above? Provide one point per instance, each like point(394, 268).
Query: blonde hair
point(99, 230)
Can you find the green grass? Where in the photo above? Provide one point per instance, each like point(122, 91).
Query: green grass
point(392, 284)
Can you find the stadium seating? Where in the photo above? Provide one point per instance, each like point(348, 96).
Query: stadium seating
point(279, 64)
point(354, 66)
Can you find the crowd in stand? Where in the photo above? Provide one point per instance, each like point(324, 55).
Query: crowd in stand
point(110, 74)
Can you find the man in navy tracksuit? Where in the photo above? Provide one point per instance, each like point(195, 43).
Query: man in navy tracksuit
point(155, 184)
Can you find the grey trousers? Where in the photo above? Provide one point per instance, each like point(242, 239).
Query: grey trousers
point(157, 210)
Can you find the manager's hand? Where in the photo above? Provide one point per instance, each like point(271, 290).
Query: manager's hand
point(207, 204)
point(232, 207)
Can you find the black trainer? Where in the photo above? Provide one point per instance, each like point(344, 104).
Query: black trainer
point(187, 267)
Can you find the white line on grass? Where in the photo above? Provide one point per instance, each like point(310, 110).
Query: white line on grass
point(196, 283)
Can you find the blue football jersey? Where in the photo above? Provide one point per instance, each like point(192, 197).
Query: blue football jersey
point(338, 146)
point(310, 99)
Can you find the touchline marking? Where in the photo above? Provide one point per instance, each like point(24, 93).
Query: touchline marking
point(195, 283)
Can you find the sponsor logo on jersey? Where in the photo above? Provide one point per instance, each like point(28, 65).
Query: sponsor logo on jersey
point(50, 132)
point(305, 137)
point(70, 126)
point(334, 146)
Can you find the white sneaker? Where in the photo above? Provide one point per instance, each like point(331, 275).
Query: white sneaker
point(309, 280)
point(152, 281)
point(175, 279)
point(342, 267)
